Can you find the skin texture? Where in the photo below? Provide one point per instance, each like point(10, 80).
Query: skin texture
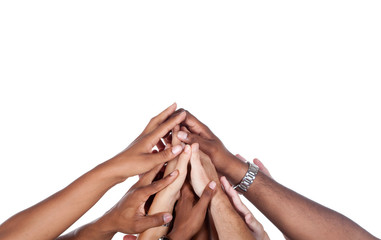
point(295, 215)
point(166, 199)
point(190, 214)
point(65, 207)
point(253, 224)
point(228, 223)
point(128, 215)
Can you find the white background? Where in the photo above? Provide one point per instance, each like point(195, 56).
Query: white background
point(294, 83)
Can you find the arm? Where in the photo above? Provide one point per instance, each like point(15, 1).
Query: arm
point(228, 223)
point(49, 218)
point(296, 216)
point(164, 201)
point(128, 215)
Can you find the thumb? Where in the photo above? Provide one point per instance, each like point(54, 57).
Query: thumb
point(190, 138)
point(129, 237)
point(206, 197)
point(166, 155)
point(155, 220)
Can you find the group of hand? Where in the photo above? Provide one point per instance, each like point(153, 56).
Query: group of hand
point(172, 142)
point(184, 191)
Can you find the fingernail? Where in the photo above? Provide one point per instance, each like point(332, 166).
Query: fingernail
point(177, 149)
point(174, 173)
point(167, 217)
point(182, 135)
point(195, 147)
point(187, 149)
point(212, 185)
point(166, 147)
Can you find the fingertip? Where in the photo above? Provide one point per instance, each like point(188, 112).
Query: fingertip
point(167, 217)
point(212, 185)
point(182, 135)
point(195, 147)
point(177, 149)
point(187, 148)
point(174, 173)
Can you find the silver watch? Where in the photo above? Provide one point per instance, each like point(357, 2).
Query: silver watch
point(248, 179)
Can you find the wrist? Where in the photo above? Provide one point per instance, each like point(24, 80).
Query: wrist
point(233, 168)
point(111, 171)
point(96, 230)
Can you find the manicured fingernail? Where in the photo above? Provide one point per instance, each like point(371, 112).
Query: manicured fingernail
point(212, 185)
point(174, 173)
point(195, 147)
point(167, 217)
point(187, 149)
point(182, 135)
point(177, 149)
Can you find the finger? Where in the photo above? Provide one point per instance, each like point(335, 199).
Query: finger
point(253, 223)
point(196, 126)
point(164, 156)
point(148, 177)
point(262, 167)
point(175, 140)
point(205, 198)
point(154, 220)
point(182, 163)
point(129, 237)
point(158, 185)
point(234, 197)
point(164, 128)
point(161, 117)
point(190, 138)
point(184, 129)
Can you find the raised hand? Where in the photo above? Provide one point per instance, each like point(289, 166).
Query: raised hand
point(138, 158)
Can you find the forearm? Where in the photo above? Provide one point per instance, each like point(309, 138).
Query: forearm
point(164, 201)
point(99, 229)
point(60, 210)
point(228, 223)
point(299, 217)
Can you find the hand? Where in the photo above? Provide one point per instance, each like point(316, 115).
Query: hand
point(190, 215)
point(128, 215)
point(138, 158)
point(223, 160)
point(253, 224)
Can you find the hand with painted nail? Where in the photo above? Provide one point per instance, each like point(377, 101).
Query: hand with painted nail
point(138, 158)
point(128, 215)
point(190, 215)
point(166, 199)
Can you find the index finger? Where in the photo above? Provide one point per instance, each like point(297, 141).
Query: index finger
point(196, 126)
point(160, 118)
point(164, 128)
